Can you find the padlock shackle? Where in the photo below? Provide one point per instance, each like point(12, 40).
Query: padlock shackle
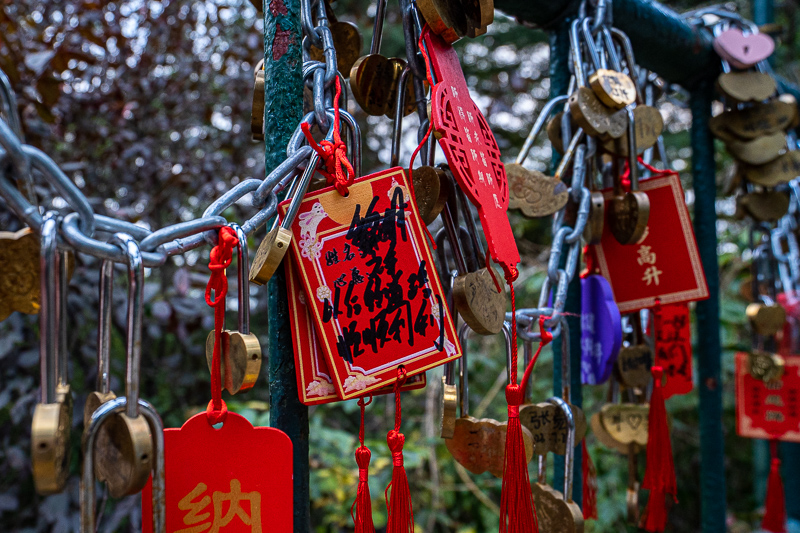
point(627, 49)
point(453, 237)
point(377, 27)
point(135, 319)
point(478, 252)
point(48, 311)
point(105, 306)
point(575, 48)
point(88, 497)
point(541, 120)
point(598, 59)
point(299, 190)
point(399, 107)
point(242, 287)
point(463, 378)
point(568, 154)
point(633, 162)
point(569, 458)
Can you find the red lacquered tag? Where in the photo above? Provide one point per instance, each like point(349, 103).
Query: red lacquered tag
point(373, 291)
point(665, 264)
point(768, 410)
point(235, 479)
point(471, 149)
point(674, 347)
point(314, 382)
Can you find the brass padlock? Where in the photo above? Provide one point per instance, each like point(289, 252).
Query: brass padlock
point(104, 415)
point(240, 350)
point(479, 445)
point(765, 366)
point(629, 211)
point(614, 89)
point(19, 277)
point(766, 319)
point(126, 457)
point(556, 511)
point(746, 86)
point(52, 417)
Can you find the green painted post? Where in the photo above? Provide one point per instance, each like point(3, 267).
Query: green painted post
point(283, 90)
point(559, 84)
point(709, 351)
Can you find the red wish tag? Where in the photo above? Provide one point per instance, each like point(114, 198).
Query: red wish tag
point(664, 264)
point(674, 347)
point(471, 149)
point(768, 410)
point(373, 291)
point(235, 479)
point(314, 382)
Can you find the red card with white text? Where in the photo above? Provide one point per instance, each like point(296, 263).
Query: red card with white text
point(373, 290)
point(768, 410)
point(673, 344)
point(664, 264)
point(314, 382)
point(236, 478)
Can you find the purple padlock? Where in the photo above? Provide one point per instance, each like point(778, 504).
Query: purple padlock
point(601, 330)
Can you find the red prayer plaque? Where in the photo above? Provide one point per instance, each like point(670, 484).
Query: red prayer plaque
point(768, 410)
point(674, 348)
point(314, 382)
point(374, 294)
point(470, 148)
point(236, 479)
point(664, 264)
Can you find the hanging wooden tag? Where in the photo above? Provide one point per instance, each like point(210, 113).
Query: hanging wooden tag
point(235, 479)
point(768, 410)
point(471, 149)
point(664, 264)
point(314, 382)
point(673, 345)
point(374, 293)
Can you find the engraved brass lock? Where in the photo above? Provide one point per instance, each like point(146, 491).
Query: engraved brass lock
point(556, 511)
point(52, 417)
point(449, 401)
point(763, 206)
point(614, 89)
point(347, 42)
point(758, 151)
point(765, 366)
point(766, 319)
point(479, 445)
point(747, 86)
point(648, 126)
point(782, 169)
point(445, 18)
point(240, 350)
point(633, 365)
point(629, 211)
point(125, 448)
point(626, 423)
point(754, 121)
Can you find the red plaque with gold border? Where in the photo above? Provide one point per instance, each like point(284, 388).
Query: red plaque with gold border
point(664, 264)
point(374, 295)
point(768, 410)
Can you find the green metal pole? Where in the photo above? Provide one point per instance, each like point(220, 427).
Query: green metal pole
point(283, 91)
point(559, 84)
point(709, 351)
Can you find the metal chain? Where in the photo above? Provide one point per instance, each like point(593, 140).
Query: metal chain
point(85, 231)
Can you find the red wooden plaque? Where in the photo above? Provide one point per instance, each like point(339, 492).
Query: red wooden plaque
point(664, 264)
point(236, 479)
point(674, 348)
point(471, 149)
point(768, 410)
point(374, 293)
point(314, 382)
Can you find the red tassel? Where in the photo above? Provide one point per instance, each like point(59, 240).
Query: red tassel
point(398, 503)
point(589, 485)
point(361, 511)
point(775, 505)
point(659, 475)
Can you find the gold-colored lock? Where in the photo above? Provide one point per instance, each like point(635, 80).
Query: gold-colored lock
point(52, 417)
point(765, 366)
point(125, 451)
point(766, 319)
point(780, 170)
point(347, 42)
point(648, 126)
point(556, 511)
point(19, 277)
point(240, 350)
point(449, 401)
point(614, 89)
point(259, 104)
point(746, 86)
point(758, 151)
point(629, 211)
point(763, 206)
point(626, 423)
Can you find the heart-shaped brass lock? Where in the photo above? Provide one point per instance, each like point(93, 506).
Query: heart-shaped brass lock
point(445, 18)
point(449, 403)
point(533, 193)
point(633, 365)
point(19, 277)
point(614, 89)
point(758, 151)
point(763, 206)
point(548, 426)
point(766, 320)
point(648, 126)
point(602, 435)
point(748, 86)
point(479, 445)
point(479, 15)
point(554, 131)
point(754, 121)
point(347, 42)
point(626, 423)
point(479, 302)
point(782, 169)
point(765, 366)
point(430, 192)
point(594, 117)
point(554, 513)
point(593, 232)
point(373, 82)
point(628, 215)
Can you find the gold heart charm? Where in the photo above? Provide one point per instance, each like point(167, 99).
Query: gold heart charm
point(533, 193)
point(633, 365)
point(479, 302)
point(626, 423)
point(599, 431)
point(767, 320)
point(614, 89)
point(548, 426)
point(647, 124)
point(554, 513)
point(783, 169)
point(754, 121)
point(760, 150)
point(748, 86)
point(594, 117)
point(764, 206)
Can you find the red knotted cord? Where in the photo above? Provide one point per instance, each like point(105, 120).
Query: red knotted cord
point(338, 170)
point(398, 503)
point(221, 256)
point(625, 178)
point(361, 510)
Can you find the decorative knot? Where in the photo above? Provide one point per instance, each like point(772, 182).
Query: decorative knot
point(221, 257)
point(363, 456)
point(397, 459)
point(216, 416)
point(658, 372)
point(514, 397)
point(395, 440)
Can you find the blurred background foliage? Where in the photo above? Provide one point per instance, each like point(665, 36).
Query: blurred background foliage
point(146, 105)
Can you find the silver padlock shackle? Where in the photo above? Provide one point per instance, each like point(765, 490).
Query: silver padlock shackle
point(627, 49)
point(242, 287)
point(88, 496)
point(399, 107)
point(575, 48)
point(135, 319)
point(633, 156)
point(478, 252)
point(569, 458)
point(48, 312)
point(463, 378)
point(541, 120)
point(377, 27)
point(106, 303)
